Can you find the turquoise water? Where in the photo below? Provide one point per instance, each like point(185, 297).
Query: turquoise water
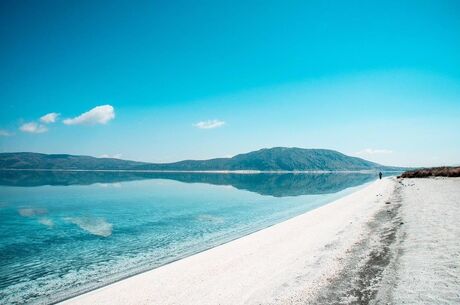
point(65, 233)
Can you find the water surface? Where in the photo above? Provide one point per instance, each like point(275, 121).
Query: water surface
point(63, 233)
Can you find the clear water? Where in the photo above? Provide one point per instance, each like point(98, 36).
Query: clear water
point(62, 234)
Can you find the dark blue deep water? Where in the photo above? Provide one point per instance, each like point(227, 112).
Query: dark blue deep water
point(63, 233)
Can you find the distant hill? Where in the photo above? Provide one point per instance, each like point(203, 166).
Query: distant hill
point(268, 159)
point(28, 160)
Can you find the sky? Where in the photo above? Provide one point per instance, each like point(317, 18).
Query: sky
point(163, 81)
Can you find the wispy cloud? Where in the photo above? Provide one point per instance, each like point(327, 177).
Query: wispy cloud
point(114, 156)
point(33, 127)
point(98, 115)
point(372, 151)
point(5, 133)
point(49, 117)
point(210, 124)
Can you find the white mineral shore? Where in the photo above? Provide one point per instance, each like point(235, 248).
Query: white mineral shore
point(427, 256)
point(316, 258)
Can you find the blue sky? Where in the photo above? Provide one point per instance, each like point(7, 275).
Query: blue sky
point(142, 80)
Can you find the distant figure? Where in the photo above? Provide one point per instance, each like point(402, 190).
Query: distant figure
point(380, 175)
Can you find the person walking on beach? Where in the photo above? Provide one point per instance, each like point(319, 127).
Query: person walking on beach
point(380, 175)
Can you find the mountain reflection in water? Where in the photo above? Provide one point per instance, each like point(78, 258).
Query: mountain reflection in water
point(277, 185)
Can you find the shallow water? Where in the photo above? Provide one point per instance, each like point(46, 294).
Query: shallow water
point(63, 233)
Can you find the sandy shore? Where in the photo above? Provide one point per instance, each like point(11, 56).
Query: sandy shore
point(425, 263)
point(361, 249)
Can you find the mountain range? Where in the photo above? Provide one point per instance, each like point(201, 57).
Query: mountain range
point(267, 159)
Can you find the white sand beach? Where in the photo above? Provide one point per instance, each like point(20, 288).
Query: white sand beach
point(393, 242)
point(426, 265)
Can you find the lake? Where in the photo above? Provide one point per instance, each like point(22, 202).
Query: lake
point(64, 233)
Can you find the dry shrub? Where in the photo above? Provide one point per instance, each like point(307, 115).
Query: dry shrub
point(432, 172)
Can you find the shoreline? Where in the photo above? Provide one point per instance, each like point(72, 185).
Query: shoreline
point(214, 245)
point(392, 242)
point(253, 246)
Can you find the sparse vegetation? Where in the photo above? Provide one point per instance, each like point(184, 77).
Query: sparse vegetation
point(432, 172)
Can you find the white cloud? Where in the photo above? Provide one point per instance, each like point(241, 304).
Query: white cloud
point(49, 117)
point(33, 127)
point(4, 133)
point(371, 151)
point(115, 156)
point(209, 124)
point(97, 115)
